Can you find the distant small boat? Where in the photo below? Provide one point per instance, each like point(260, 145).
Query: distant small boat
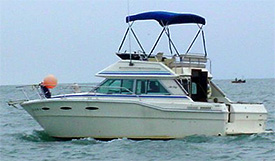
point(238, 81)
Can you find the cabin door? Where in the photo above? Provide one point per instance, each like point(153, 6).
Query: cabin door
point(199, 85)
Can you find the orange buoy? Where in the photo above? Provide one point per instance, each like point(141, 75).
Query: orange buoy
point(50, 81)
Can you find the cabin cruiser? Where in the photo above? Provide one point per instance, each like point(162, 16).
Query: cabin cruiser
point(150, 96)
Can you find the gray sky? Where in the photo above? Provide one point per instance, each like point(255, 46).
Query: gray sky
point(74, 39)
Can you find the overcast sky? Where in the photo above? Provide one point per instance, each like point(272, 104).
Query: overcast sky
point(74, 39)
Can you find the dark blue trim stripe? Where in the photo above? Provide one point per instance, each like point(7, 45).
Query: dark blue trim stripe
point(129, 73)
point(107, 95)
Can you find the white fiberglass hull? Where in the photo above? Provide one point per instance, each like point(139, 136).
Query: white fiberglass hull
point(101, 119)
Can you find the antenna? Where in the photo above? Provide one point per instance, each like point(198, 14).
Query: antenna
point(129, 36)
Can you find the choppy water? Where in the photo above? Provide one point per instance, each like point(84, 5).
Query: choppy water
point(23, 139)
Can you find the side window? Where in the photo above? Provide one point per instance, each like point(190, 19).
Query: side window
point(150, 87)
point(153, 87)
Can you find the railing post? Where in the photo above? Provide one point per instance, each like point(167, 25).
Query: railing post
point(25, 94)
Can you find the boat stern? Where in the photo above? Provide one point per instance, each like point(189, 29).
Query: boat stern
point(246, 118)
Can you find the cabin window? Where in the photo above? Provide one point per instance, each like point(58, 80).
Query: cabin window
point(150, 87)
point(116, 86)
point(185, 84)
point(141, 87)
point(110, 86)
point(127, 86)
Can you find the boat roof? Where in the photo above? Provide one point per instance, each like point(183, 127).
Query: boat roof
point(139, 69)
point(167, 18)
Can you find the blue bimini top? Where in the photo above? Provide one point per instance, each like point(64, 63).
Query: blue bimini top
point(167, 18)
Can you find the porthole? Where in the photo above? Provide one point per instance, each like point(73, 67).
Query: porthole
point(91, 108)
point(45, 108)
point(65, 108)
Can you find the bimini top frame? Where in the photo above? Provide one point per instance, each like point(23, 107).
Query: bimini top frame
point(165, 19)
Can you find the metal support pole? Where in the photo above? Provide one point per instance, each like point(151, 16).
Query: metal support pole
point(193, 41)
point(170, 48)
point(156, 42)
point(138, 41)
point(124, 37)
point(172, 43)
point(204, 46)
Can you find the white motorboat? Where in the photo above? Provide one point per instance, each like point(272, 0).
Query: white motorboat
point(146, 96)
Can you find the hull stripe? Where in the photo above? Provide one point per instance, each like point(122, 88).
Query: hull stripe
point(107, 95)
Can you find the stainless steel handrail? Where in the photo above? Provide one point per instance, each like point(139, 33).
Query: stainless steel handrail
point(74, 88)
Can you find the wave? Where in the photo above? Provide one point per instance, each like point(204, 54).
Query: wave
point(37, 136)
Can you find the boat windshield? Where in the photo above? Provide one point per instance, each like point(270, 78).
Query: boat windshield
point(116, 86)
point(132, 86)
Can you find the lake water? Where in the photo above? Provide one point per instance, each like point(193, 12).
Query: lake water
point(21, 138)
